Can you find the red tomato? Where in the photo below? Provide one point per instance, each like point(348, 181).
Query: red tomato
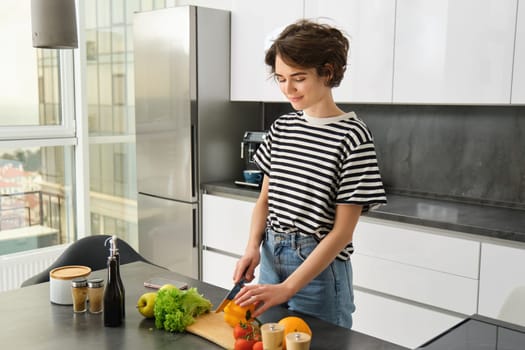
point(257, 346)
point(243, 344)
point(242, 330)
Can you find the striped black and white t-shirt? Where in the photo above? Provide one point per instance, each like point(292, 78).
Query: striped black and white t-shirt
point(314, 164)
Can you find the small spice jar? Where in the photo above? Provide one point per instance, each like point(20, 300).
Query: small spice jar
point(79, 293)
point(96, 295)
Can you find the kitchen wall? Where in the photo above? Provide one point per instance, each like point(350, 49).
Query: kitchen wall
point(472, 153)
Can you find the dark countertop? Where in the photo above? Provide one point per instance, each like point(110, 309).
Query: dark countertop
point(30, 321)
point(476, 219)
point(479, 332)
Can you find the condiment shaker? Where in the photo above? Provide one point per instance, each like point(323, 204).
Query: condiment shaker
point(79, 294)
point(95, 295)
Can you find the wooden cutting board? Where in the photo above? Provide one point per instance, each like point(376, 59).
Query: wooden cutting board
point(211, 326)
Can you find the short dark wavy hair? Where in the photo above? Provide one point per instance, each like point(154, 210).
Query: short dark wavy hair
point(308, 44)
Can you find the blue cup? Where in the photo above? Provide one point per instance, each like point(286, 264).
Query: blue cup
point(252, 176)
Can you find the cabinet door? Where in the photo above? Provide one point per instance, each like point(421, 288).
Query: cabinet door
point(370, 26)
point(225, 229)
point(226, 223)
point(457, 51)
point(502, 283)
point(253, 25)
point(518, 78)
point(417, 263)
point(401, 323)
point(217, 269)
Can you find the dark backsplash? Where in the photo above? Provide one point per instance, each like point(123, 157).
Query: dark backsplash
point(469, 153)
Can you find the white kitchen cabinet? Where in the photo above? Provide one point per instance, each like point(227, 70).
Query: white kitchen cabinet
point(225, 230)
point(253, 24)
point(417, 245)
point(217, 268)
point(518, 78)
point(458, 51)
point(502, 282)
point(412, 282)
point(401, 323)
point(370, 26)
point(420, 264)
point(226, 223)
point(434, 288)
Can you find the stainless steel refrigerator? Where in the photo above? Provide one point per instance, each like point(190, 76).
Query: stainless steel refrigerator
point(187, 131)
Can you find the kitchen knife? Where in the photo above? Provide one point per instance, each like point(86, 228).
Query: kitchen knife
point(231, 294)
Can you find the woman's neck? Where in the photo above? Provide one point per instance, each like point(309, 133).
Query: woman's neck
point(324, 111)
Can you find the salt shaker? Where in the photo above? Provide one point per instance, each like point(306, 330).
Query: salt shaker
point(79, 294)
point(95, 295)
point(298, 341)
point(272, 336)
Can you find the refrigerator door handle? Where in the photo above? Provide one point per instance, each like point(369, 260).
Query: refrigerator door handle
point(194, 179)
point(195, 227)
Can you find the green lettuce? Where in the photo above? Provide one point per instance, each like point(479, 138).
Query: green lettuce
point(176, 309)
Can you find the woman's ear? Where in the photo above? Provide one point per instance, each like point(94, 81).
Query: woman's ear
point(328, 73)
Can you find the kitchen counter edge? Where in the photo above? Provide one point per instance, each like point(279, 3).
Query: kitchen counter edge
point(486, 221)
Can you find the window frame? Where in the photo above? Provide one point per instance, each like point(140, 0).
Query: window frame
point(65, 134)
point(66, 131)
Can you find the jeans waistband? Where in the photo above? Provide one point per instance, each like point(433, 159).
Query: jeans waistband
point(282, 237)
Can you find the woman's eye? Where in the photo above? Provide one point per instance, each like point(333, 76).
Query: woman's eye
point(283, 80)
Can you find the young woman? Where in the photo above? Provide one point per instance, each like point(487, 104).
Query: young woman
point(320, 174)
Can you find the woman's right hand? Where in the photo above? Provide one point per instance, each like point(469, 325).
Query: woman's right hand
point(246, 265)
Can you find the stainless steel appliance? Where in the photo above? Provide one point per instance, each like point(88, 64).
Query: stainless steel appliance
point(187, 130)
point(251, 141)
point(249, 145)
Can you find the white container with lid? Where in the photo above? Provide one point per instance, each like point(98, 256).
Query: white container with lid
point(60, 282)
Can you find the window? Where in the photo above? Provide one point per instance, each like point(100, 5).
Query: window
point(37, 137)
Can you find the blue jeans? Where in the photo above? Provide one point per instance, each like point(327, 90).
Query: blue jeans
point(329, 296)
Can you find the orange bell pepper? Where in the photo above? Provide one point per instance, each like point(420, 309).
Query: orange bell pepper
point(235, 314)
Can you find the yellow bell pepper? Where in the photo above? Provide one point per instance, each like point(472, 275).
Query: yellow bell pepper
point(235, 314)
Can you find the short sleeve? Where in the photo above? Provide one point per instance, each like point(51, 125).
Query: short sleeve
point(360, 180)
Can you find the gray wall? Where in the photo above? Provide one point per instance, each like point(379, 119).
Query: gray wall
point(471, 153)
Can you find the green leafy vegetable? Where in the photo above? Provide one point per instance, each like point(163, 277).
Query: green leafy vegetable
point(175, 309)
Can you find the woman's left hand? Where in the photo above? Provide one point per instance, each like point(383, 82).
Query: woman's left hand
point(264, 296)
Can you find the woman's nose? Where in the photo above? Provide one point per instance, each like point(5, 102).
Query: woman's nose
point(288, 87)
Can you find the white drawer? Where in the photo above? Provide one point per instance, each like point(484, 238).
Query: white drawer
point(436, 288)
point(397, 322)
point(418, 246)
point(217, 269)
point(226, 223)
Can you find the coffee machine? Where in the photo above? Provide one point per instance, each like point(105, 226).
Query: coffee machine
point(249, 145)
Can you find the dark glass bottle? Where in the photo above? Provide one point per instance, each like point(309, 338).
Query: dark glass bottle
point(121, 284)
point(113, 295)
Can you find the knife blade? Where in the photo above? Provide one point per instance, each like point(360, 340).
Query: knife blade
point(231, 294)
